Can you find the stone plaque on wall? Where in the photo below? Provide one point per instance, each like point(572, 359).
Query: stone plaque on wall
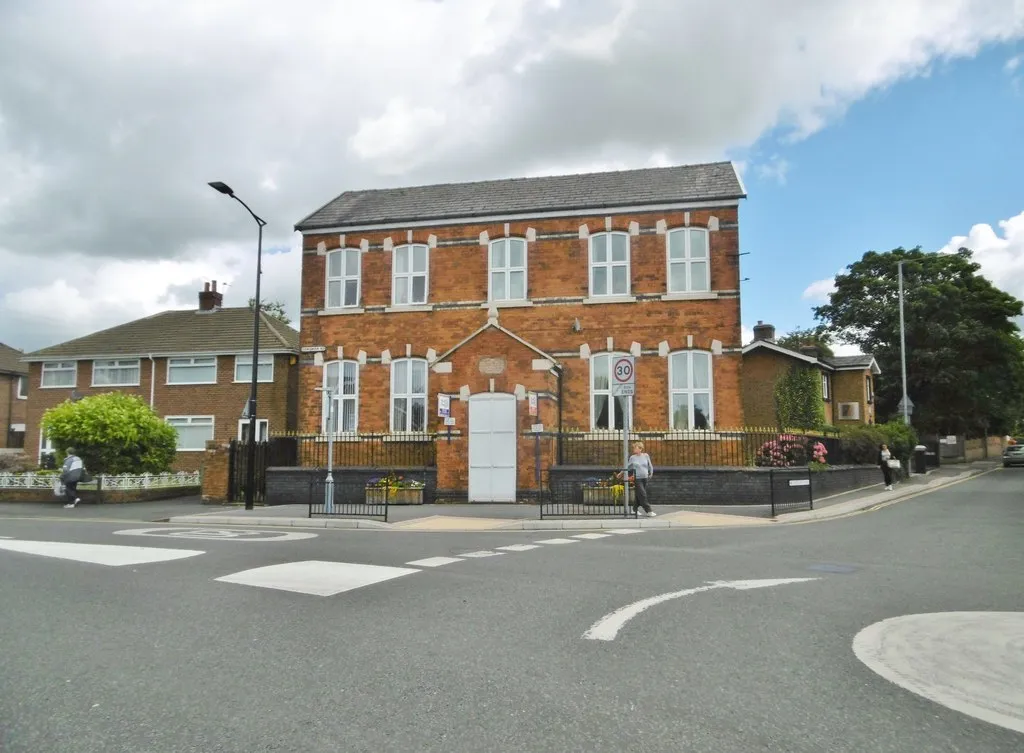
point(492, 365)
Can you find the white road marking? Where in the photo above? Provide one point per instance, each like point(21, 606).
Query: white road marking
point(970, 662)
point(606, 628)
point(480, 554)
point(591, 536)
point(518, 547)
point(624, 531)
point(316, 577)
point(97, 554)
point(218, 534)
point(558, 541)
point(434, 562)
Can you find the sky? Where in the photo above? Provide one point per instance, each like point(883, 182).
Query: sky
point(857, 124)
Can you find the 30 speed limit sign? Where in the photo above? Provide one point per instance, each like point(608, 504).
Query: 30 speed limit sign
point(623, 376)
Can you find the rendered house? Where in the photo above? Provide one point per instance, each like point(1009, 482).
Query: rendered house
point(13, 397)
point(508, 294)
point(847, 382)
point(193, 367)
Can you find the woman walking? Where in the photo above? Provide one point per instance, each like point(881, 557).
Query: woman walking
point(884, 456)
point(640, 470)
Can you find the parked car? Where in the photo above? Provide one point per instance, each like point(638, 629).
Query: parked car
point(1013, 455)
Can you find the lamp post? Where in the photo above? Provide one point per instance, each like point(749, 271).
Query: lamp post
point(328, 391)
point(905, 403)
point(250, 470)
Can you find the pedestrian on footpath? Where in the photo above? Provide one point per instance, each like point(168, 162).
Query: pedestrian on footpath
point(884, 456)
point(70, 474)
point(640, 470)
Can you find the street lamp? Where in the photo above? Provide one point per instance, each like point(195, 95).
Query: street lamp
point(905, 405)
point(250, 481)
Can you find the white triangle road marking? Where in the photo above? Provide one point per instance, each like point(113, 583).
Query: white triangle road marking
point(97, 554)
point(316, 577)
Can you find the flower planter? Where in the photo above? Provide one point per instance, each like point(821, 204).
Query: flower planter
point(604, 495)
point(378, 496)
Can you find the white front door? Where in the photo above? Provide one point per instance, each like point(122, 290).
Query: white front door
point(492, 447)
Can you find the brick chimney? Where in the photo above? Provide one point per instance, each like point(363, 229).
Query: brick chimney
point(764, 332)
point(209, 298)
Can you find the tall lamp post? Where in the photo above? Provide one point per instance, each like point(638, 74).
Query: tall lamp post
point(250, 481)
point(905, 405)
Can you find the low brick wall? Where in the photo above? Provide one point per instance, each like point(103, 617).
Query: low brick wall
point(290, 486)
point(726, 486)
point(89, 495)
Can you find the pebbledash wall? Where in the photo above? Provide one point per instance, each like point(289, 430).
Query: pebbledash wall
point(520, 347)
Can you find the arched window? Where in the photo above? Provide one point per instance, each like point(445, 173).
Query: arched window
point(410, 270)
point(688, 271)
point(341, 392)
point(343, 278)
point(606, 410)
point(409, 395)
point(507, 268)
point(609, 264)
point(691, 406)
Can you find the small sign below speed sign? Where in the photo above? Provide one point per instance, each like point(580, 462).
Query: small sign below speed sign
point(623, 376)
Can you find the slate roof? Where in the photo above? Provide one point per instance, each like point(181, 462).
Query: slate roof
point(859, 361)
point(849, 362)
point(227, 330)
point(10, 361)
point(656, 185)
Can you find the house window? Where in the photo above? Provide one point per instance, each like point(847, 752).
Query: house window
point(410, 272)
point(869, 390)
point(688, 261)
point(264, 372)
point(262, 429)
point(690, 391)
point(22, 388)
point(192, 370)
point(606, 410)
point(826, 386)
point(59, 374)
point(343, 267)
point(193, 431)
point(849, 411)
point(409, 395)
point(508, 270)
point(120, 373)
point(341, 378)
point(609, 264)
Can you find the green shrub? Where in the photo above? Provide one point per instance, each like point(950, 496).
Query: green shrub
point(901, 439)
point(112, 433)
point(860, 443)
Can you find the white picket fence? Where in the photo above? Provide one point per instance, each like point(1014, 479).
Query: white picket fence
point(121, 482)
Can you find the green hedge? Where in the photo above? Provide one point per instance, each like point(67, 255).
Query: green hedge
point(860, 443)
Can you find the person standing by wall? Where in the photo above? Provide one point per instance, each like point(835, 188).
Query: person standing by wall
point(70, 474)
point(884, 456)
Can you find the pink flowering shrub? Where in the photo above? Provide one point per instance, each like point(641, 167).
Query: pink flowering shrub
point(788, 450)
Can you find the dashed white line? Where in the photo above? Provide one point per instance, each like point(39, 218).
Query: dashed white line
point(433, 562)
point(481, 554)
point(591, 536)
point(624, 531)
point(518, 547)
point(559, 541)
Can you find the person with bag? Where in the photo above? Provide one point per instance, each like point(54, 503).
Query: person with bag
point(886, 461)
point(72, 472)
point(640, 470)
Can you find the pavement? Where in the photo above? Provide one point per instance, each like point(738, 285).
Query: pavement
point(482, 517)
point(890, 631)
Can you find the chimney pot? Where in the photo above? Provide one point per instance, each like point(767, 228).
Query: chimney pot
point(764, 332)
point(214, 286)
point(206, 287)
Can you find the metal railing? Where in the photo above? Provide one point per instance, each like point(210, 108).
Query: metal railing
point(347, 498)
point(355, 450)
point(790, 490)
point(562, 498)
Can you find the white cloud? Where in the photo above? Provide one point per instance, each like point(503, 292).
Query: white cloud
point(775, 169)
point(1014, 63)
point(820, 290)
point(1000, 254)
point(113, 115)
point(747, 334)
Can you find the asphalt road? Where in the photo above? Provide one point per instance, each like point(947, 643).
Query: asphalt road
point(487, 653)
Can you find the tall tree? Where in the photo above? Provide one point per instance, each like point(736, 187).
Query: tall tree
point(273, 309)
point(965, 357)
point(818, 337)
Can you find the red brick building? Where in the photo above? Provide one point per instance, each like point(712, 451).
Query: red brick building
point(487, 292)
point(193, 367)
point(13, 397)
